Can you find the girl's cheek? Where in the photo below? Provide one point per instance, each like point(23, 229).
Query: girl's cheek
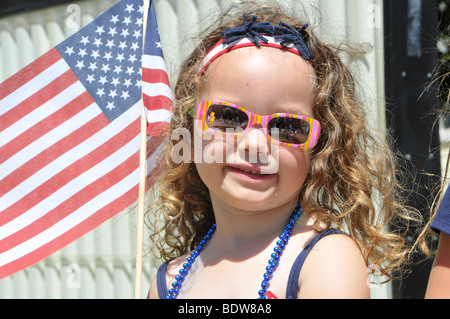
point(214, 148)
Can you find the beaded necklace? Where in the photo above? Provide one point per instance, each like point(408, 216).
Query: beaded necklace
point(270, 268)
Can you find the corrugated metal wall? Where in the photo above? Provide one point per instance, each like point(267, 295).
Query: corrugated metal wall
point(101, 264)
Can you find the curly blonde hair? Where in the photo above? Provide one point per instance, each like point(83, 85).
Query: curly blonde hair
point(352, 183)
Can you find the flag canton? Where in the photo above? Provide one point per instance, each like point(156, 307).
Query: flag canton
point(106, 57)
point(152, 41)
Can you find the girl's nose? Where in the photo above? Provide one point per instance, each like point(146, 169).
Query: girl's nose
point(255, 145)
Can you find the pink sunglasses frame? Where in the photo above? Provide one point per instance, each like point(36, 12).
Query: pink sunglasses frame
point(313, 137)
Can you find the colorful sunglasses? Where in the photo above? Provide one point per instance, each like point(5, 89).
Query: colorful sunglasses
point(284, 129)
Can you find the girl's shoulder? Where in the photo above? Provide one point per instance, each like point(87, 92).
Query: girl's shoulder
point(335, 267)
point(168, 270)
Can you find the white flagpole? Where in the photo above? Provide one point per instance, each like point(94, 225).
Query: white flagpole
point(142, 184)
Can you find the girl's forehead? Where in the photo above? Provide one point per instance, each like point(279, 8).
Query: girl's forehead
point(259, 76)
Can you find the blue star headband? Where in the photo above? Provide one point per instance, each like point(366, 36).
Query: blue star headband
point(282, 36)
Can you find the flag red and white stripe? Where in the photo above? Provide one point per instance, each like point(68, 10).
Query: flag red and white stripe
point(156, 93)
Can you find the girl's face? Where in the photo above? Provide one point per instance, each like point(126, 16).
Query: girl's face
point(254, 174)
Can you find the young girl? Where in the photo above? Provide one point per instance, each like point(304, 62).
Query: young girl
point(297, 198)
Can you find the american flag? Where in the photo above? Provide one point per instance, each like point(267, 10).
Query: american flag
point(70, 131)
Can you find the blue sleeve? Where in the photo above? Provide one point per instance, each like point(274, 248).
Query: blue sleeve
point(441, 222)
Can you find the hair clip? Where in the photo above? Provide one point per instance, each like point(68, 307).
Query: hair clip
point(256, 31)
point(299, 37)
point(249, 30)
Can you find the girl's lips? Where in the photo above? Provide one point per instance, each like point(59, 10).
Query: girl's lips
point(249, 174)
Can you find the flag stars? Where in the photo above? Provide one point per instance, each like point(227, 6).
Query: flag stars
point(107, 56)
point(112, 32)
point(138, 84)
point(100, 92)
point(110, 44)
point(115, 81)
point(117, 69)
point(132, 58)
point(122, 45)
point(137, 34)
point(129, 70)
point(69, 51)
point(126, 21)
point(110, 106)
point(134, 46)
point(95, 54)
point(92, 66)
point(120, 57)
point(105, 68)
point(114, 19)
point(84, 39)
point(82, 53)
point(102, 80)
point(79, 65)
point(125, 33)
point(125, 95)
point(112, 93)
point(129, 8)
point(97, 42)
point(99, 30)
point(127, 83)
point(90, 78)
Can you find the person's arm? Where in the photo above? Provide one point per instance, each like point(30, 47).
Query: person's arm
point(335, 268)
point(153, 292)
point(439, 282)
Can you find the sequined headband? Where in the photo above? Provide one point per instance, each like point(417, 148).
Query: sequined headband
point(282, 36)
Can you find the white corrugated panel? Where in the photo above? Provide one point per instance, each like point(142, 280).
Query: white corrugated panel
point(101, 264)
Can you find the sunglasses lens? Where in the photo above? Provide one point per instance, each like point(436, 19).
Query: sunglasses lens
point(289, 130)
point(222, 118)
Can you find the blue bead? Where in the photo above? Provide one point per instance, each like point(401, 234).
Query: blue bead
point(187, 265)
point(183, 271)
